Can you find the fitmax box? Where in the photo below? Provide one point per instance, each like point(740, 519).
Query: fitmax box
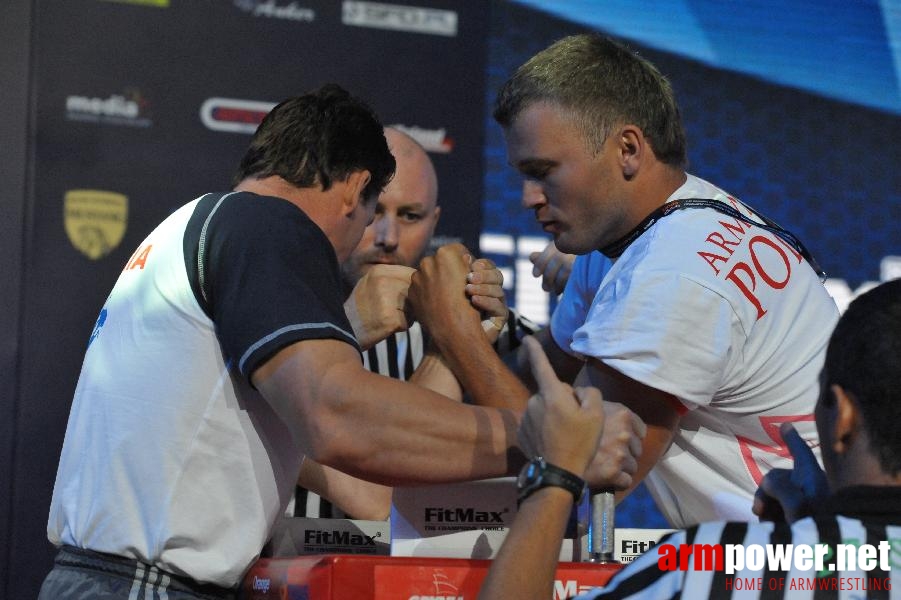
point(630, 543)
point(467, 520)
point(298, 536)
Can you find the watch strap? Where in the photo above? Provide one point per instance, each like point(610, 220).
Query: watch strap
point(551, 475)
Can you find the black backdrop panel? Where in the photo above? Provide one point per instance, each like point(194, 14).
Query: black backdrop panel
point(14, 70)
point(120, 143)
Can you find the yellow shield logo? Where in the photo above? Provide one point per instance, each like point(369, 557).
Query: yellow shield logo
point(95, 220)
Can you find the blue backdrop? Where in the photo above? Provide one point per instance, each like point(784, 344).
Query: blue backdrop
point(826, 169)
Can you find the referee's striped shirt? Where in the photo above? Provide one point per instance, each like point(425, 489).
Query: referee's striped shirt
point(876, 517)
point(397, 357)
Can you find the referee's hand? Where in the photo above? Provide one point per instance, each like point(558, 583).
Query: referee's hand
point(561, 423)
point(792, 494)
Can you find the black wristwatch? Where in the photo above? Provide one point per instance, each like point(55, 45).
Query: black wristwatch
point(538, 473)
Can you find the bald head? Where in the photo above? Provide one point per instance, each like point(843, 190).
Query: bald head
point(416, 162)
point(406, 212)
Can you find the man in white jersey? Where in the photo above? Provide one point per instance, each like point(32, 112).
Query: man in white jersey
point(708, 323)
point(856, 503)
point(223, 356)
point(406, 214)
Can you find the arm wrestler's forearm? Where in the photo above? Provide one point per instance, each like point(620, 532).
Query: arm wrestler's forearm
point(380, 429)
point(481, 371)
point(655, 408)
point(417, 436)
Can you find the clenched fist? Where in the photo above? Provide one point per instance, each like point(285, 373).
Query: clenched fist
point(377, 306)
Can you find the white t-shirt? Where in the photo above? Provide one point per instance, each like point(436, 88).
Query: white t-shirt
point(727, 318)
point(170, 456)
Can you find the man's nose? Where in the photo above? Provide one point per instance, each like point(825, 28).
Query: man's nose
point(532, 194)
point(386, 232)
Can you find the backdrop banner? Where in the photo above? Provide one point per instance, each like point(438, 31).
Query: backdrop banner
point(142, 105)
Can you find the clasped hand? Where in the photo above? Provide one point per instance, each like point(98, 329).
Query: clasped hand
point(451, 292)
point(383, 303)
point(376, 307)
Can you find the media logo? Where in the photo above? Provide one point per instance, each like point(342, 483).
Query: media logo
point(129, 109)
point(95, 220)
point(289, 11)
point(378, 15)
point(432, 140)
point(233, 115)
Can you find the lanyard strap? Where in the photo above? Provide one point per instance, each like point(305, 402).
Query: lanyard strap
point(616, 249)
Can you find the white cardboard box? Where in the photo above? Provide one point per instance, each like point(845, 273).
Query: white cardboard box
point(630, 543)
point(297, 536)
point(467, 520)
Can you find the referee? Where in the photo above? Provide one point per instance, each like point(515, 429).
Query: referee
point(405, 219)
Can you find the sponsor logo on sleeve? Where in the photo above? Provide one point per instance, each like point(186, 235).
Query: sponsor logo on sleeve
point(98, 325)
point(95, 220)
point(396, 17)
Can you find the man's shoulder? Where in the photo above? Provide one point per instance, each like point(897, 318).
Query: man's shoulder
point(250, 205)
point(249, 219)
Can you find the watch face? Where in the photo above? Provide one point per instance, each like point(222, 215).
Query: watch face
point(530, 475)
point(537, 473)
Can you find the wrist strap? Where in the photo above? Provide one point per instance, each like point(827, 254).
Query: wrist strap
point(550, 475)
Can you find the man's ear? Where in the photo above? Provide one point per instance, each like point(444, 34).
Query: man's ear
point(435, 216)
point(632, 146)
point(354, 185)
point(847, 419)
